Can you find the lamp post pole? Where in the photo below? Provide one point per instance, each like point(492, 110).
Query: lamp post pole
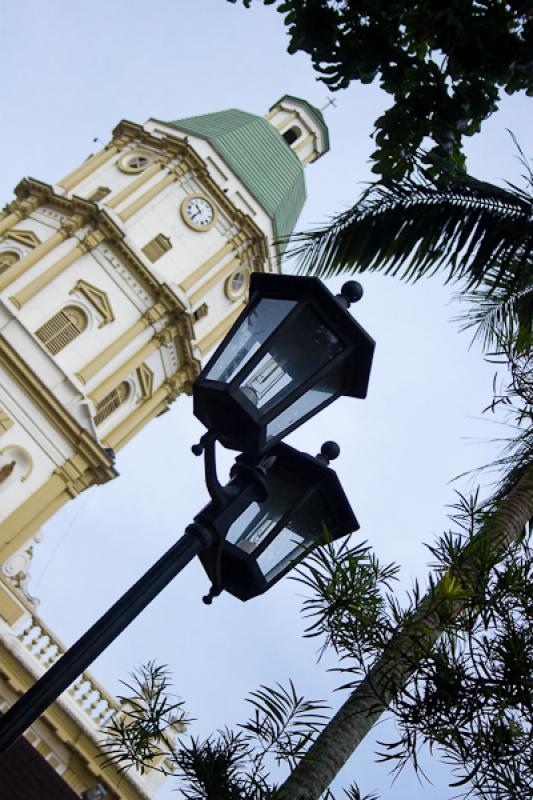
point(94, 641)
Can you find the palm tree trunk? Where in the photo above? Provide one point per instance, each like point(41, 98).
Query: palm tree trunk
point(356, 717)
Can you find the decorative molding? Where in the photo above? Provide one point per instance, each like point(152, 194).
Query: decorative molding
point(5, 421)
point(146, 382)
point(11, 451)
point(17, 569)
point(97, 298)
point(25, 237)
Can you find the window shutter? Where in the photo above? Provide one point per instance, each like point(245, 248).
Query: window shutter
point(111, 402)
point(62, 329)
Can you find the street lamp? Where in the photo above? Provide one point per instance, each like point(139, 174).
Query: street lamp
point(263, 532)
point(294, 350)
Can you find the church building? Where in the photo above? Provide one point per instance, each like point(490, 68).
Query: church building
point(115, 283)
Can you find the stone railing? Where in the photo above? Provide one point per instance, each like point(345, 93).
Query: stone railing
point(92, 699)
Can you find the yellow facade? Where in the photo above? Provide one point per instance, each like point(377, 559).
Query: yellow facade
point(142, 337)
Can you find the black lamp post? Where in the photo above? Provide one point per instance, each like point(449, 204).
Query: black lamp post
point(291, 353)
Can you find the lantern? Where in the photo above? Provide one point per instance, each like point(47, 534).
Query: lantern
point(273, 522)
point(293, 350)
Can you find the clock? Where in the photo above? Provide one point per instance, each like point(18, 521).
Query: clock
point(198, 212)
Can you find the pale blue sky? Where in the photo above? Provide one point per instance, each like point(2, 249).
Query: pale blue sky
point(72, 71)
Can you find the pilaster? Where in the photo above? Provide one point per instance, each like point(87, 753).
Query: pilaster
point(212, 261)
point(90, 241)
point(96, 364)
point(21, 267)
point(92, 164)
point(145, 198)
point(135, 184)
point(22, 210)
point(129, 366)
point(158, 402)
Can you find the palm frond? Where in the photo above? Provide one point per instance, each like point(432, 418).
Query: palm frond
point(415, 227)
point(499, 315)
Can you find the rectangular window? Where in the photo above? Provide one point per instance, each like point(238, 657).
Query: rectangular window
point(157, 247)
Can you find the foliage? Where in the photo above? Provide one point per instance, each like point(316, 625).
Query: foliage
point(239, 764)
point(347, 602)
point(142, 732)
point(472, 696)
point(444, 64)
point(479, 234)
point(229, 765)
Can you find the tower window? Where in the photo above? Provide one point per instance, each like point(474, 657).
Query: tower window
point(134, 161)
point(157, 247)
point(62, 328)
point(111, 402)
point(99, 194)
point(7, 259)
point(237, 283)
point(292, 135)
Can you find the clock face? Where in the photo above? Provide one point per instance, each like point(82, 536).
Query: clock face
point(198, 212)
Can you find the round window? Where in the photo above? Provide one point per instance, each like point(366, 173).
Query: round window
point(237, 283)
point(135, 162)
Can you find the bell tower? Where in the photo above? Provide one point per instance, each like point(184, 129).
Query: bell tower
point(114, 283)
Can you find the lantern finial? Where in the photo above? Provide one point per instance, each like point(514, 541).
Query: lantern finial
point(351, 292)
point(329, 452)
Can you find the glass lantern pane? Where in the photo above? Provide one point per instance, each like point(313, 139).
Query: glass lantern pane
point(249, 336)
point(257, 520)
point(286, 547)
point(306, 345)
point(329, 385)
point(309, 525)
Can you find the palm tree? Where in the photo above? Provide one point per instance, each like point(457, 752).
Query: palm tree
point(474, 232)
point(482, 236)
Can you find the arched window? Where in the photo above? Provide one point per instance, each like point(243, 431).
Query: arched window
point(292, 135)
point(62, 328)
point(111, 402)
point(7, 259)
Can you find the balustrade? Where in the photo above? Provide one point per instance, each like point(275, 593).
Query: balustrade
point(89, 696)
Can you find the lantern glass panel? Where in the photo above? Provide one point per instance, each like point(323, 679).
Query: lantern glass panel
point(255, 328)
point(306, 346)
point(257, 520)
point(286, 547)
point(309, 525)
point(327, 387)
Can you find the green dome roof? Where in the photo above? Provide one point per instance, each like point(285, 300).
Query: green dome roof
point(261, 159)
